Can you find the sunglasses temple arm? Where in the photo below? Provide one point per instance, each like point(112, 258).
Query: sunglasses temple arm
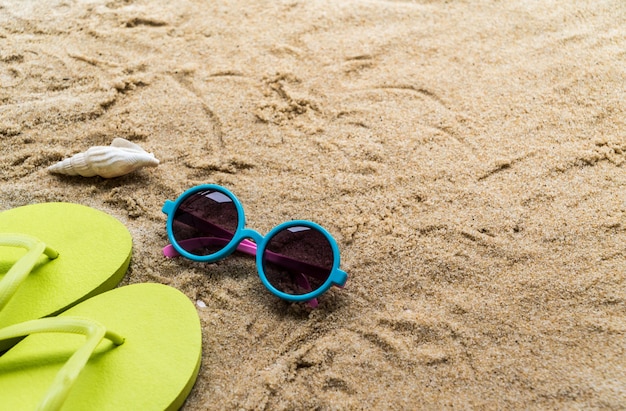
point(297, 266)
point(246, 246)
point(198, 222)
point(250, 248)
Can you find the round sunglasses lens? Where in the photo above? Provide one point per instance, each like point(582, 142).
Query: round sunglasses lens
point(205, 222)
point(298, 260)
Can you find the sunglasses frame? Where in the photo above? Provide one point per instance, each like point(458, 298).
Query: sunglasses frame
point(336, 276)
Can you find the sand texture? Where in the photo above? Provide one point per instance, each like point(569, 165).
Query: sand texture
point(468, 156)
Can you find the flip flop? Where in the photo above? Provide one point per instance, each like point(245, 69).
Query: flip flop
point(73, 253)
point(142, 352)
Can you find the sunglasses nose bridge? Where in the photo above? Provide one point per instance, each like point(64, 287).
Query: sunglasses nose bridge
point(247, 233)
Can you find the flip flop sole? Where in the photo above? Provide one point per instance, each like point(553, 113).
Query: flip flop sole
point(154, 369)
point(94, 254)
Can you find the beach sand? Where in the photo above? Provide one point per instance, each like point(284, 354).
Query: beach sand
point(469, 158)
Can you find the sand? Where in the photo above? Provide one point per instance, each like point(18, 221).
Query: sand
point(468, 156)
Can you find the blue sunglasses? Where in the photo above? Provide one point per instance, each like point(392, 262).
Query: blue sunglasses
point(298, 260)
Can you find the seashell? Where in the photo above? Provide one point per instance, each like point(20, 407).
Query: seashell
point(121, 157)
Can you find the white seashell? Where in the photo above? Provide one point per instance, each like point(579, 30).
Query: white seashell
point(121, 157)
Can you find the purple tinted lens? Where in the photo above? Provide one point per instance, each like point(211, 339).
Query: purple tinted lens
point(298, 260)
point(205, 222)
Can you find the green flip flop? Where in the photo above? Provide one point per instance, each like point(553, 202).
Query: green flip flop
point(73, 252)
point(142, 352)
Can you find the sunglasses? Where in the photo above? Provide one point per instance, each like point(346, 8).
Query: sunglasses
point(298, 260)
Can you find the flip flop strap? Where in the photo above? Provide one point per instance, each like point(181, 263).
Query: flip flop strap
point(20, 270)
point(65, 378)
